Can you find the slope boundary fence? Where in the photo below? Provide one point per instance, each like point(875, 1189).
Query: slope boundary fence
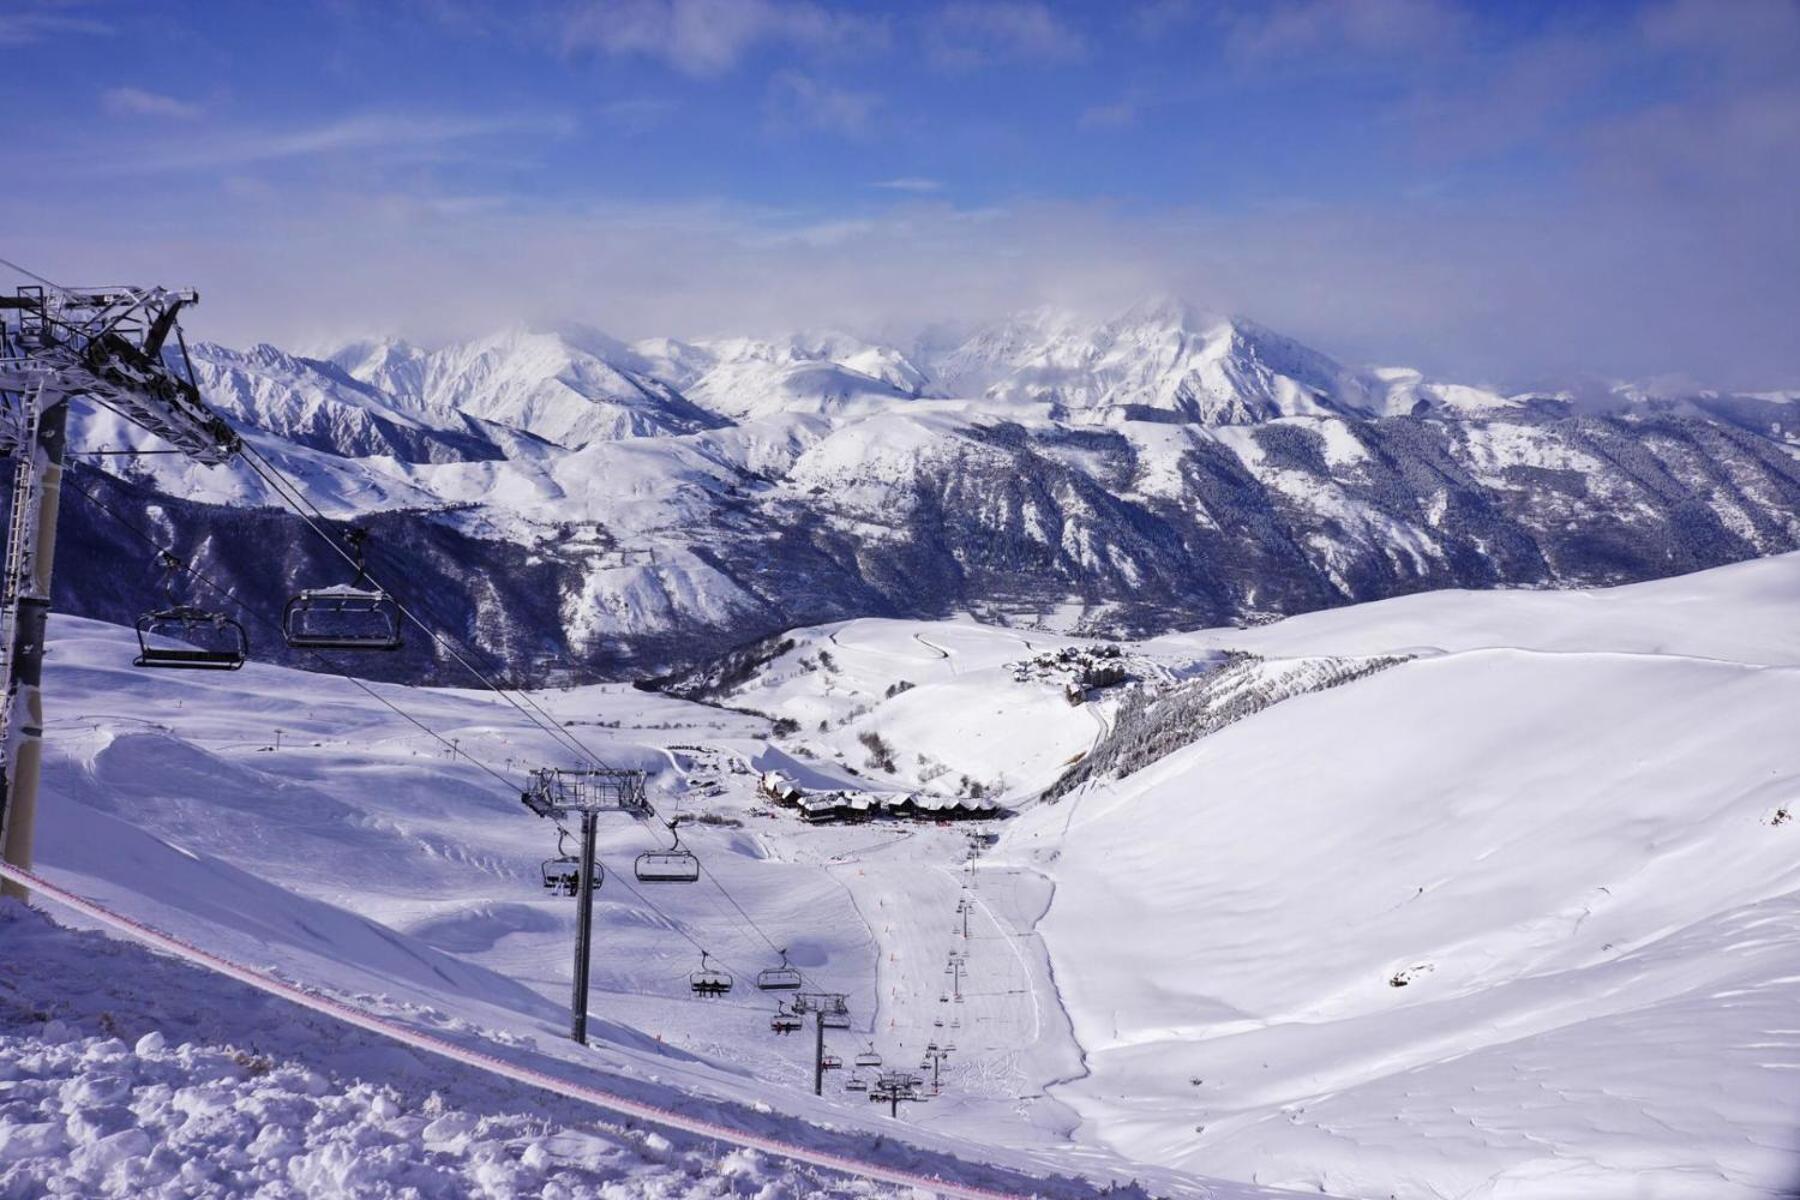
point(492, 1064)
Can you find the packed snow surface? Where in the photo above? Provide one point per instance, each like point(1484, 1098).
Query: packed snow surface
point(1516, 917)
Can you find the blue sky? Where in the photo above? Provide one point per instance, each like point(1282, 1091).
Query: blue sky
point(1503, 192)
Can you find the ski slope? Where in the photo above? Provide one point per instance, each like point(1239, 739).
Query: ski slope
point(1566, 835)
point(364, 859)
point(1563, 827)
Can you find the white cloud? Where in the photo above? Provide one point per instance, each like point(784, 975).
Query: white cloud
point(136, 102)
point(968, 33)
point(709, 37)
point(1109, 116)
point(36, 22)
point(909, 183)
point(798, 102)
point(400, 135)
point(636, 115)
point(1379, 29)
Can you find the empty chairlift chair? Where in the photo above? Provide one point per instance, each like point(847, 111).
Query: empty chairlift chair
point(184, 637)
point(348, 616)
point(674, 865)
point(709, 981)
point(783, 978)
point(855, 1084)
point(868, 1058)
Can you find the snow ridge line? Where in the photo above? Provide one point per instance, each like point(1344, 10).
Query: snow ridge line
point(490, 1063)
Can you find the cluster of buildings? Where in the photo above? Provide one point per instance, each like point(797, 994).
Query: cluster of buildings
point(821, 807)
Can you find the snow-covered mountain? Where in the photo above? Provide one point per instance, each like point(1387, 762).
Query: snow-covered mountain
point(1160, 359)
point(568, 498)
point(571, 387)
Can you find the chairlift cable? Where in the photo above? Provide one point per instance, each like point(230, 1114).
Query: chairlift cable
point(547, 723)
point(31, 274)
point(270, 476)
point(282, 486)
point(256, 614)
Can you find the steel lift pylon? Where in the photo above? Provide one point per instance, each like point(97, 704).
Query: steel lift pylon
point(120, 347)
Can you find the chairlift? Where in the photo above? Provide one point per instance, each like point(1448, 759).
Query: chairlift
point(868, 1058)
point(346, 616)
point(785, 1022)
point(709, 981)
point(184, 637)
point(674, 865)
point(783, 978)
point(562, 874)
point(835, 1018)
point(831, 1062)
point(854, 1084)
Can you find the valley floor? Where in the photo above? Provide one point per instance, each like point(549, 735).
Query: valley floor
point(1509, 910)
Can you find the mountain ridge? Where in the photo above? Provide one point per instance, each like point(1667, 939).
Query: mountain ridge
point(1160, 470)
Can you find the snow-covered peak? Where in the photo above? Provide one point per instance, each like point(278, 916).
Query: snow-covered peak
point(572, 386)
point(813, 372)
point(282, 393)
point(1162, 355)
point(1403, 391)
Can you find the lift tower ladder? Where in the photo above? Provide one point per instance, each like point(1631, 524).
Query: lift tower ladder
point(120, 347)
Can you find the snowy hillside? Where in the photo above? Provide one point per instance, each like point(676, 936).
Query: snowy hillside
point(626, 509)
point(1509, 916)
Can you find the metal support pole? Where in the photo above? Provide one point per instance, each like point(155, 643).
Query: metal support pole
point(818, 1053)
point(584, 929)
point(24, 750)
point(894, 1104)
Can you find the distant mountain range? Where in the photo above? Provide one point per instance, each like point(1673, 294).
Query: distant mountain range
point(577, 505)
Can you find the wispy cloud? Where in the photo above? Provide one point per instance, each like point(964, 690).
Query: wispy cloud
point(909, 183)
point(637, 115)
point(709, 37)
point(136, 102)
point(800, 102)
point(968, 33)
point(40, 20)
point(1377, 28)
point(400, 135)
point(1116, 115)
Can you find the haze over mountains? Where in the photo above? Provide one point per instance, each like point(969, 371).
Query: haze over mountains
point(563, 497)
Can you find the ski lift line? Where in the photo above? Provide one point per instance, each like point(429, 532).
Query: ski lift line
point(6, 262)
point(295, 497)
point(555, 729)
point(492, 1064)
point(229, 595)
point(289, 491)
point(285, 486)
point(509, 784)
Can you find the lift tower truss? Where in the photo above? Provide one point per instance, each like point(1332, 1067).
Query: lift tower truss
point(120, 347)
point(559, 794)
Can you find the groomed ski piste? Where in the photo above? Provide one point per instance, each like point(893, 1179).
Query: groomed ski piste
point(1481, 895)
